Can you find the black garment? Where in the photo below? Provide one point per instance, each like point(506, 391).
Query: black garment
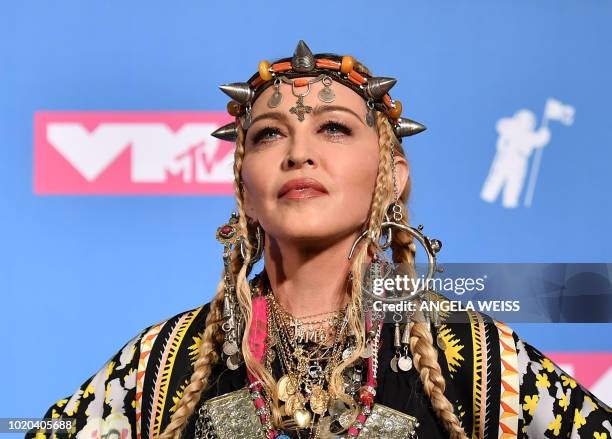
point(407, 393)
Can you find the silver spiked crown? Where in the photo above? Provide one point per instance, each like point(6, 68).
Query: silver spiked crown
point(374, 90)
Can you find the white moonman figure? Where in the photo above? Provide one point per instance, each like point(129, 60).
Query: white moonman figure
point(517, 140)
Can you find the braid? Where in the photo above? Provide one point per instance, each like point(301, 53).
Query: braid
point(209, 351)
point(382, 195)
point(243, 289)
point(207, 357)
point(425, 356)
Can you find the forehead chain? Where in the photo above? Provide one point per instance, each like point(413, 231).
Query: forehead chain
point(303, 64)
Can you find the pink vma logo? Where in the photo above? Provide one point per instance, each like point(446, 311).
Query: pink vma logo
point(131, 153)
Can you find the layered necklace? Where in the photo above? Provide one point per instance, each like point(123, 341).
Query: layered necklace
point(308, 352)
point(306, 370)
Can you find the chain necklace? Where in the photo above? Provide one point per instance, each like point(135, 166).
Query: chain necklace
point(305, 374)
point(262, 399)
point(302, 331)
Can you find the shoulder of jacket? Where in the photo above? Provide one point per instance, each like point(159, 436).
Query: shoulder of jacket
point(191, 318)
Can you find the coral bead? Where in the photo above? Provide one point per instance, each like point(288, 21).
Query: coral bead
point(264, 71)
point(233, 108)
point(347, 64)
point(396, 111)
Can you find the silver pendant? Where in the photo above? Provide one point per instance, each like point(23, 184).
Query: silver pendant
point(347, 353)
point(233, 361)
point(404, 363)
point(315, 370)
point(230, 348)
point(275, 99)
point(246, 119)
point(370, 120)
point(352, 387)
point(326, 94)
point(393, 364)
point(345, 419)
point(367, 352)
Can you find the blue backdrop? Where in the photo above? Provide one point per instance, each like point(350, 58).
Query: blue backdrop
point(80, 275)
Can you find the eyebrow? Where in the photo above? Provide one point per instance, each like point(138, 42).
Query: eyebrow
point(319, 109)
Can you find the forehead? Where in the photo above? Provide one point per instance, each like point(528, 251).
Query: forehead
point(343, 96)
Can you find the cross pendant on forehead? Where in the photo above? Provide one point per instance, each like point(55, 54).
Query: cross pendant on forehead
point(300, 108)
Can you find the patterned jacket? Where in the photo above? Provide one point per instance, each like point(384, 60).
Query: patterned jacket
point(500, 386)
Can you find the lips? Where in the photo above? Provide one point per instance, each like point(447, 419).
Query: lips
point(302, 188)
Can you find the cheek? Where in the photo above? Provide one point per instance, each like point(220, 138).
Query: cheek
point(358, 177)
point(253, 175)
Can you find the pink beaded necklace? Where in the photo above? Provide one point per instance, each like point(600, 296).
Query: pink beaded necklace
point(257, 344)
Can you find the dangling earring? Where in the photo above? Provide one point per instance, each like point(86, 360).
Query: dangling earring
point(229, 234)
point(431, 246)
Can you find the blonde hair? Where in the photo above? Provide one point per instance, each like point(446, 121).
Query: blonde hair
point(425, 356)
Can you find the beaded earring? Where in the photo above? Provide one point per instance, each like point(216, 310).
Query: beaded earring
point(229, 234)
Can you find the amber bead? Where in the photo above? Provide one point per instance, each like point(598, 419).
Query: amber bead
point(347, 64)
point(233, 108)
point(264, 71)
point(396, 111)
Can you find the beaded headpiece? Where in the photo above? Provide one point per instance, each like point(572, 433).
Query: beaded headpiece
point(321, 67)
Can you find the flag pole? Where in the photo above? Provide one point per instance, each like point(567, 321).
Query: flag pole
point(535, 168)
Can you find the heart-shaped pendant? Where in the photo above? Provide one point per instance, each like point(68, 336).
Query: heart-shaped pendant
point(302, 417)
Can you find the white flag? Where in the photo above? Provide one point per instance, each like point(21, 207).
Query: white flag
point(556, 110)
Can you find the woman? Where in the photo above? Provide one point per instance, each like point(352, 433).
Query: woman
point(294, 351)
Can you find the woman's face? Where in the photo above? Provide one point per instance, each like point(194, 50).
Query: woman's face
point(332, 145)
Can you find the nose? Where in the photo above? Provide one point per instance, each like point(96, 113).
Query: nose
point(299, 154)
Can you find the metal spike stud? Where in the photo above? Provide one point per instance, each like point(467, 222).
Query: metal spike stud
point(227, 132)
point(241, 92)
point(303, 59)
point(376, 88)
point(408, 127)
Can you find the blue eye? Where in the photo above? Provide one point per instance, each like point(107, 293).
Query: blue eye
point(264, 133)
point(331, 128)
point(336, 128)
